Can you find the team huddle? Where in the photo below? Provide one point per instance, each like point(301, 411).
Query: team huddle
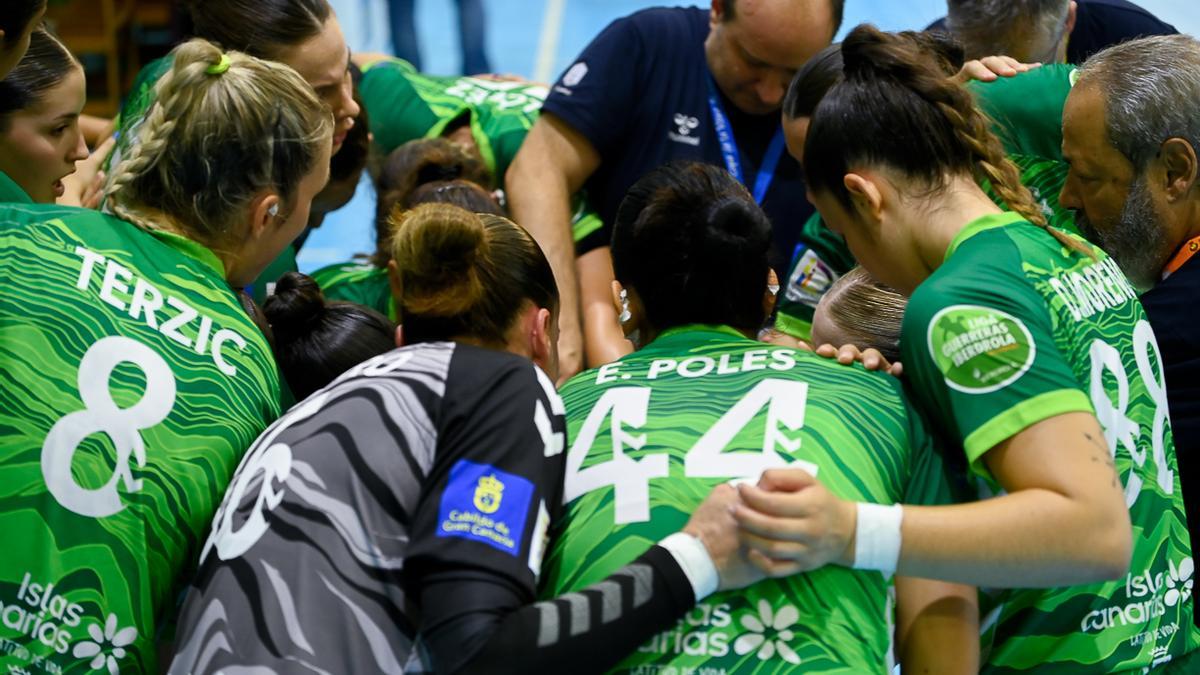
point(733, 350)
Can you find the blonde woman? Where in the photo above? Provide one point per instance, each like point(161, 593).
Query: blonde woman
point(131, 380)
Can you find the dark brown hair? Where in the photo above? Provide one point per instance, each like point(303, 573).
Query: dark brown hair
point(416, 163)
point(15, 16)
point(262, 28)
point(693, 244)
point(895, 107)
point(466, 275)
point(813, 81)
point(316, 340)
point(44, 66)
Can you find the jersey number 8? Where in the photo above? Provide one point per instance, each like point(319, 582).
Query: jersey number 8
point(1118, 428)
point(101, 415)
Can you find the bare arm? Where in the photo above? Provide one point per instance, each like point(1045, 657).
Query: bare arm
point(552, 164)
point(937, 627)
point(1063, 521)
point(95, 129)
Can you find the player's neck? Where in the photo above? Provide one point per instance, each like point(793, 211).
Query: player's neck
point(958, 205)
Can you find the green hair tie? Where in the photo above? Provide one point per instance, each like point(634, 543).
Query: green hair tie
point(219, 68)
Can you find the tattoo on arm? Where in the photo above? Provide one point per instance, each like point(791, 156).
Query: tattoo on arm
point(1105, 456)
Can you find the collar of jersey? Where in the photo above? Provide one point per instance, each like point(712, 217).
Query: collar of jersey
point(694, 328)
point(11, 192)
point(196, 251)
point(981, 225)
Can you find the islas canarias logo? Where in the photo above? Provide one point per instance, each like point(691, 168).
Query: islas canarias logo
point(488, 493)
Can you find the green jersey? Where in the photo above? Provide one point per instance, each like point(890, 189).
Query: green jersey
point(11, 192)
point(131, 383)
point(1027, 109)
point(652, 435)
point(365, 285)
point(1011, 330)
point(137, 104)
point(404, 104)
point(814, 269)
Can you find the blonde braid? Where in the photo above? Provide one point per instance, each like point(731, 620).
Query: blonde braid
point(154, 134)
point(224, 128)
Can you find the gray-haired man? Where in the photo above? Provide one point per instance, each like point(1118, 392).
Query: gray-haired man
point(1131, 135)
point(1046, 31)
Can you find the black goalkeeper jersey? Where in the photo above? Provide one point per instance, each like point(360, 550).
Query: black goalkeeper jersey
point(431, 455)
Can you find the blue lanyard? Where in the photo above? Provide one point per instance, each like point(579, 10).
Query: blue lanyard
point(733, 157)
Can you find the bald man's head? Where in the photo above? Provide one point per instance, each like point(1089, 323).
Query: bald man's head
point(755, 47)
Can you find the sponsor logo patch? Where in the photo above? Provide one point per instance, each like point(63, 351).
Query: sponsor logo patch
point(979, 349)
point(485, 504)
point(810, 279)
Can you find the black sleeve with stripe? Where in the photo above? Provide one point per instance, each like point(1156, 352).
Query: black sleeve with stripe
point(475, 622)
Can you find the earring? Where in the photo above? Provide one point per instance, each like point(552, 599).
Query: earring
point(273, 210)
point(625, 315)
point(773, 288)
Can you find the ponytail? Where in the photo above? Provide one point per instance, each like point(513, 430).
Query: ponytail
point(225, 126)
point(693, 244)
point(897, 107)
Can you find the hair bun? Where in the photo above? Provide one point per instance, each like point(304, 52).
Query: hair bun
point(734, 222)
point(870, 52)
point(296, 305)
point(436, 248)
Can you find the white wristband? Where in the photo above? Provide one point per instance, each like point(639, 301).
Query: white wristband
point(877, 537)
point(695, 562)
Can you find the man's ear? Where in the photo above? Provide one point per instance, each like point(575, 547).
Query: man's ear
point(399, 336)
point(716, 14)
point(1179, 163)
point(865, 196)
point(1072, 16)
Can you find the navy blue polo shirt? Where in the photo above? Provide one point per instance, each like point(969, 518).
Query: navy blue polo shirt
point(1100, 24)
point(640, 94)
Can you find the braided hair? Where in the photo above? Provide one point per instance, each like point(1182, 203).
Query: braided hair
point(896, 107)
point(224, 128)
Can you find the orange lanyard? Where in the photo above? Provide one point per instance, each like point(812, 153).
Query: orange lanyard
point(1191, 248)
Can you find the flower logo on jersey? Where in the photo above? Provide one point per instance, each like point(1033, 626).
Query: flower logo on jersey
point(1179, 582)
point(110, 636)
point(769, 633)
point(488, 493)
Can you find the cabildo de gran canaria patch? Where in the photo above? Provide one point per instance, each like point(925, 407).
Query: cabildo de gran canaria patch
point(486, 504)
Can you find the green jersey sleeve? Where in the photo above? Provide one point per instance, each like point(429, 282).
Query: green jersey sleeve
point(1027, 109)
point(978, 347)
